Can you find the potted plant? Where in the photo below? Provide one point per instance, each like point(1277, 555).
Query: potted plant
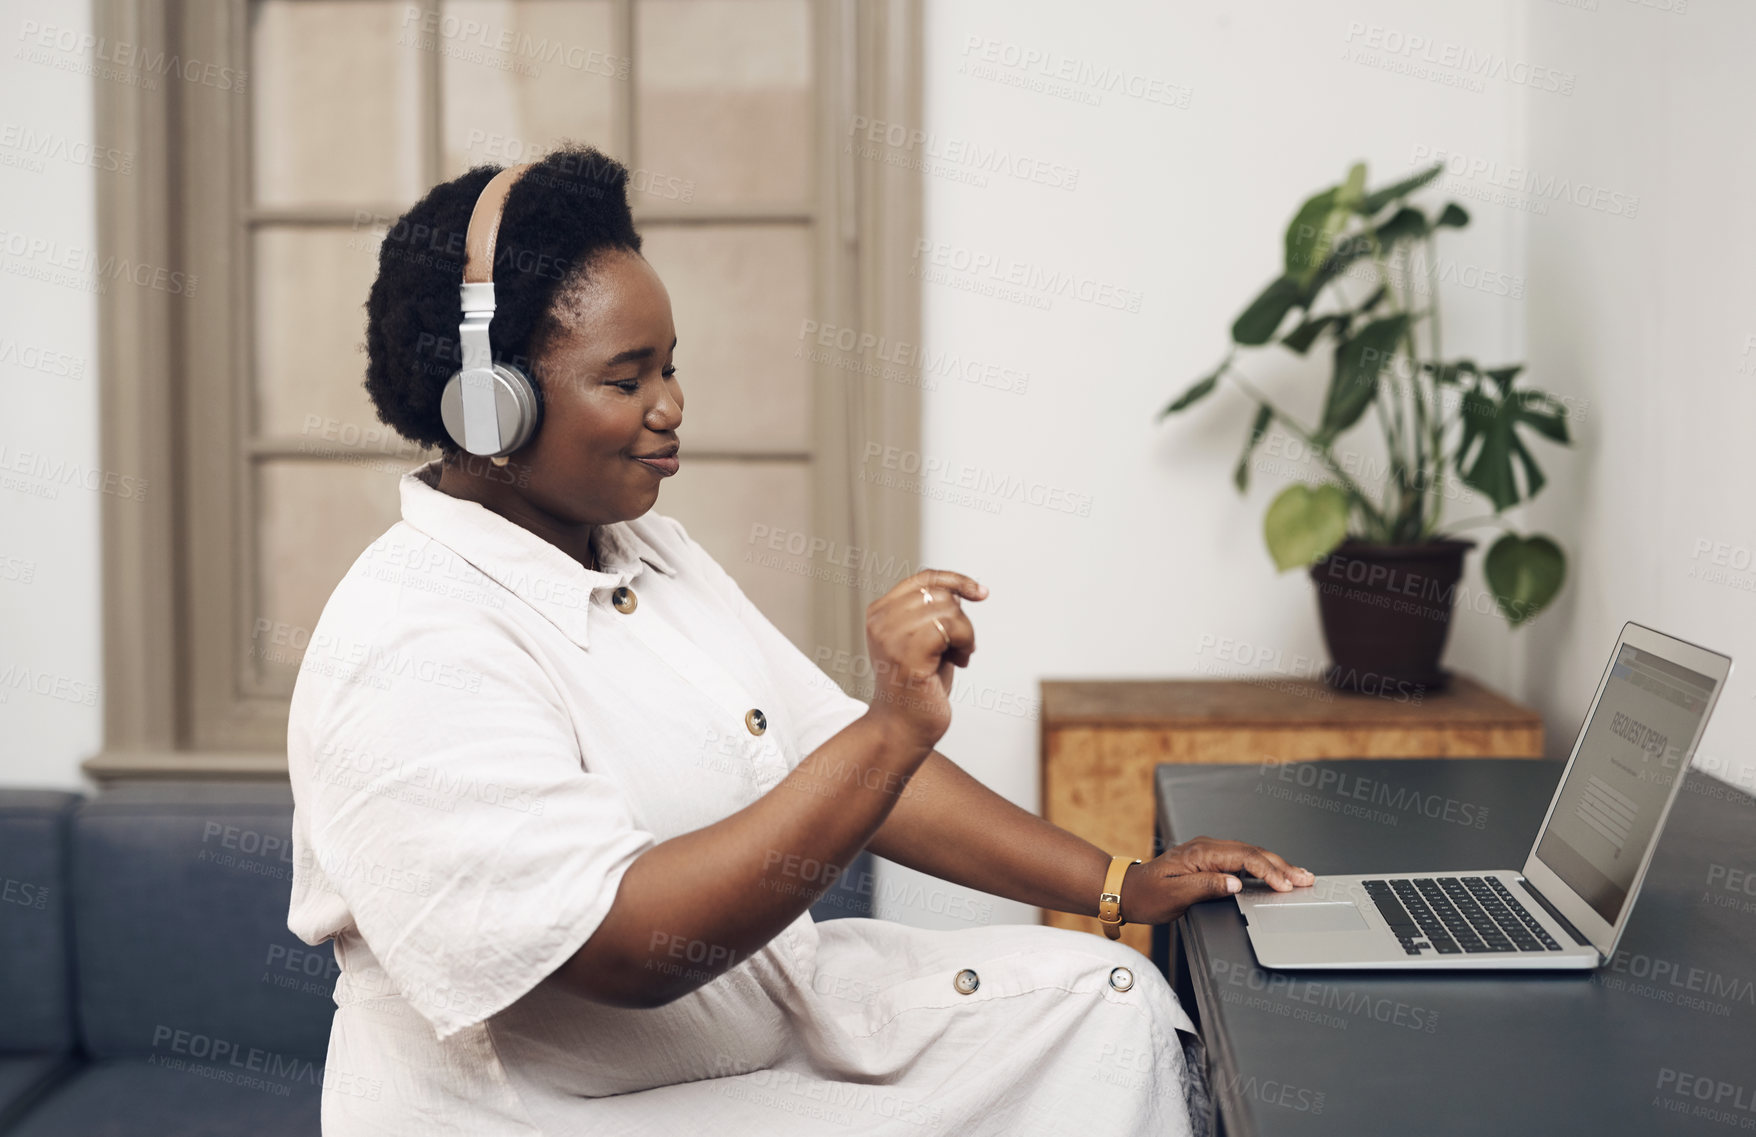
point(1387, 565)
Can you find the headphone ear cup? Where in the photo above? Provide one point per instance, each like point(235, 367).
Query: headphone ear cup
point(529, 413)
point(515, 410)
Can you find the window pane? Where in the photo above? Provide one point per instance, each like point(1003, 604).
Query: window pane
point(520, 76)
point(336, 102)
point(740, 296)
point(733, 509)
point(314, 519)
point(310, 336)
point(723, 106)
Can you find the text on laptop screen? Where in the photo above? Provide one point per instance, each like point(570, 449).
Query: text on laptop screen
point(1634, 745)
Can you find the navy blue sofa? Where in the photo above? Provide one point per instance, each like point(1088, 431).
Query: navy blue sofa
point(149, 986)
point(155, 980)
point(36, 1022)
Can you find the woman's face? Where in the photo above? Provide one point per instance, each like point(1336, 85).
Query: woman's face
point(610, 395)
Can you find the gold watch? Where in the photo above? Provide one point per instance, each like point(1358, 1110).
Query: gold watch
point(1110, 899)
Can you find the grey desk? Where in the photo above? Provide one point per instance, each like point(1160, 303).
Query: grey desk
point(1661, 1040)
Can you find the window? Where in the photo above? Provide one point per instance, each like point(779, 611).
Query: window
point(244, 396)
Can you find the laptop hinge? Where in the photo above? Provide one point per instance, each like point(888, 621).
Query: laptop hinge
point(1559, 919)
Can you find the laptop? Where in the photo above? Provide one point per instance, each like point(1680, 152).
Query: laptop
point(1568, 905)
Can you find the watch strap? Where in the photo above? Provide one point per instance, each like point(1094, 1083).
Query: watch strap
point(1110, 899)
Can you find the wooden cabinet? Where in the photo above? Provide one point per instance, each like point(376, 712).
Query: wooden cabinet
point(1101, 739)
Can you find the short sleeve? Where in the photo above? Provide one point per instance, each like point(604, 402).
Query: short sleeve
point(456, 820)
point(818, 707)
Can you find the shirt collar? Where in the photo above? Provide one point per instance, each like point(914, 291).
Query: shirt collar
point(523, 563)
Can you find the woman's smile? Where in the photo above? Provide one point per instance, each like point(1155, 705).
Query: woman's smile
point(664, 460)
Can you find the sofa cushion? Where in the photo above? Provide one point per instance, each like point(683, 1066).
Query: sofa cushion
point(24, 1078)
point(35, 987)
point(180, 925)
point(183, 1096)
point(851, 894)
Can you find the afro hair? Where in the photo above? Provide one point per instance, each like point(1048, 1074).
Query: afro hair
point(566, 210)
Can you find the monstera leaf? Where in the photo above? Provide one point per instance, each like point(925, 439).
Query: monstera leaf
point(1304, 523)
point(1258, 428)
point(1490, 443)
point(1405, 224)
point(1197, 391)
point(1358, 362)
point(1378, 199)
point(1525, 574)
point(1312, 235)
point(1257, 323)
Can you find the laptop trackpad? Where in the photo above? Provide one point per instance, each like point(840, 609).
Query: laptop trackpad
point(1329, 916)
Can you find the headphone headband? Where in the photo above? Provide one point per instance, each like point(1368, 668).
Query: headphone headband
point(484, 225)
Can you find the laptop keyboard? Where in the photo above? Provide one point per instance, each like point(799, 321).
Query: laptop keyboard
point(1453, 915)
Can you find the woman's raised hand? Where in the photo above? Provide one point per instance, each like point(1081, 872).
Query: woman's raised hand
point(912, 659)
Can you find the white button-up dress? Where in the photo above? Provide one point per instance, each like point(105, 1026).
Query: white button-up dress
point(482, 740)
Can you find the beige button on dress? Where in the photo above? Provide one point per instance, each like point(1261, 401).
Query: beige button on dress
point(482, 741)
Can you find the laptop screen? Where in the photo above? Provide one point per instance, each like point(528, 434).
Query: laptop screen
point(1637, 741)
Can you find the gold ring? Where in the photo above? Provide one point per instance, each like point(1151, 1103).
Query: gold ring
point(942, 631)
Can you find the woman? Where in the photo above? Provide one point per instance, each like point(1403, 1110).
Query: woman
point(564, 795)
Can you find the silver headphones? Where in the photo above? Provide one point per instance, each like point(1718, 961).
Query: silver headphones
point(490, 409)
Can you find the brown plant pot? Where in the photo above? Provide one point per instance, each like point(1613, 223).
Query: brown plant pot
point(1386, 612)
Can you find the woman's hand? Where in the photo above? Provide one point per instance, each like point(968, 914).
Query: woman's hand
point(912, 661)
point(1162, 889)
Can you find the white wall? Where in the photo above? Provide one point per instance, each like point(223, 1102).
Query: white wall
point(51, 663)
point(1655, 315)
point(1645, 323)
point(1187, 205)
